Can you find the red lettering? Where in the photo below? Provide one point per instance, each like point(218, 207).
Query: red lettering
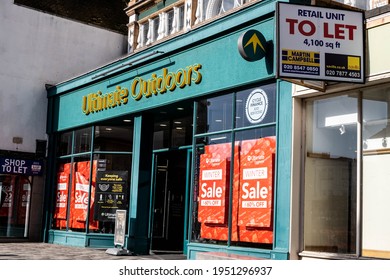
point(292, 23)
point(305, 27)
point(351, 29)
point(339, 31)
point(312, 28)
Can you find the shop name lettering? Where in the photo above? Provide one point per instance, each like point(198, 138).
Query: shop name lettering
point(169, 81)
point(14, 166)
point(331, 30)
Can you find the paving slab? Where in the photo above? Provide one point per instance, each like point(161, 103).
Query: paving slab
point(47, 251)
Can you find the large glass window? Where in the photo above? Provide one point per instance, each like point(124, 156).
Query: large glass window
point(330, 175)
point(91, 184)
point(334, 154)
point(15, 201)
point(376, 173)
point(233, 195)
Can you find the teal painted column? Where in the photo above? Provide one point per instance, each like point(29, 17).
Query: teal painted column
point(283, 176)
point(140, 186)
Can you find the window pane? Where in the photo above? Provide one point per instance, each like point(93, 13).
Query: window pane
point(254, 174)
point(173, 127)
point(65, 146)
point(110, 191)
point(83, 140)
point(182, 131)
point(161, 135)
point(330, 175)
point(15, 196)
point(113, 138)
point(72, 194)
point(211, 189)
point(256, 106)
point(80, 192)
point(215, 114)
point(62, 195)
point(376, 162)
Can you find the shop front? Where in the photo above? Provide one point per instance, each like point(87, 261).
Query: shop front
point(191, 137)
point(343, 161)
point(19, 177)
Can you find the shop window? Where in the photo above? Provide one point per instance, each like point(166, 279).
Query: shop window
point(112, 190)
point(74, 190)
point(330, 175)
point(376, 175)
point(15, 201)
point(82, 141)
point(88, 192)
point(215, 114)
point(234, 174)
point(211, 195)
point(65, 144)
point(332, 179)
point(62, 194)
point(113, 138)
point(256, 106)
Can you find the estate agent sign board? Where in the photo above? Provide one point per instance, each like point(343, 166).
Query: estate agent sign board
point(320, 44)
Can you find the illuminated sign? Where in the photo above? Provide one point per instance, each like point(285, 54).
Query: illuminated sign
point(142, 88)
point(320, 43)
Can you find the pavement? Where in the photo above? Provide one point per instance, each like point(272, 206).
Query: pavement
point(46, 251)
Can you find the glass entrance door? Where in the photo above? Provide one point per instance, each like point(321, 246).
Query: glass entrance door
point(169, 201)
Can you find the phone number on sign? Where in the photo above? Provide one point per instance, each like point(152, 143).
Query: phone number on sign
point(242, 270)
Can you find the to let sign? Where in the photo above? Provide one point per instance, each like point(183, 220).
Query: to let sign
point(320, 43)
point(21, 166)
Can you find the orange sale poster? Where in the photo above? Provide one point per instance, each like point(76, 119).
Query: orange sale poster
point(60, 211)
point(80, 197)
point(62, 192)
point(213, 193)
point(256, 190)
point(213, 198)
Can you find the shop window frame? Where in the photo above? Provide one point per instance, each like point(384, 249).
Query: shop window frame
point(91, 153)
point(359, 250)
point(232, 132)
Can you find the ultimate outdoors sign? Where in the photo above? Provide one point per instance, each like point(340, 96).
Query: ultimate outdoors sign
point(320, 43)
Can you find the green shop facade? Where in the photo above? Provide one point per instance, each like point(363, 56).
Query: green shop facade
point(191, 137)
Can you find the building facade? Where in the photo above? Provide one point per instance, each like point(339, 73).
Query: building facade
point(190, 135)
point(205, 151)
